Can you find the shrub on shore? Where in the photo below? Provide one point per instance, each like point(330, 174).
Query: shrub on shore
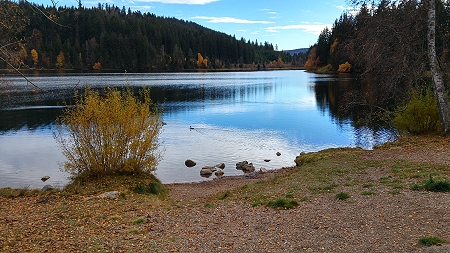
point(112, 134)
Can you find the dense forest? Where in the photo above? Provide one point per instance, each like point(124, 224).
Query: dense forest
point(109, 37)
point(386, 46)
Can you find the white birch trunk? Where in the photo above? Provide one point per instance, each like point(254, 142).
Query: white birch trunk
point(438, 82)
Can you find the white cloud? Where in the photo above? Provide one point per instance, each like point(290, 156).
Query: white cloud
point(190, 2)
point(230, 20)
point(308, 28)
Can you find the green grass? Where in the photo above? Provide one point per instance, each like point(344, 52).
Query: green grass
point(137, 221)
point(224, 195)
point(209, 205)
point(433, 185)
point(342, 196)
point(429, 241)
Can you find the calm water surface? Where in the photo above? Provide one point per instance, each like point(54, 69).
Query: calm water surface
point(235, 116)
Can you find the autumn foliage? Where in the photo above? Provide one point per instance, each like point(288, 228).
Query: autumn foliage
point(97, 66)
point(313, 60)
point(345, 67)
point(35, 56)
point(112, 134)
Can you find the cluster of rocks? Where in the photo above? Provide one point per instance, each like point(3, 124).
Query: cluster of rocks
point(207, 171)
point(244, 166)
point(217, 169)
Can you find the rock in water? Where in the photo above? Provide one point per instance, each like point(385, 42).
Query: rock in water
point(245, 167)
point(219, 173)
point(220, 166)
point(240, 165)
point(45, 178)
point(278, 153)
point(189, 163)
point(206, 171)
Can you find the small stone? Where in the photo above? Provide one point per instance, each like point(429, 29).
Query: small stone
point(109, 195)
point(47, 188)
point(220, 166)
point(219, 173)
point(278, 153)
point(263, 170)
point(189, 163)
point(45, 178)
point(266, 160)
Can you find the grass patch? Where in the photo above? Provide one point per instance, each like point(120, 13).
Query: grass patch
point(433, 185)
point(437, 186)
point(19, 192)
point(368, 193)
point(342, 196)
point(289, 195)
point(283, 204)
point(140, 183)
point(224, 195)
point(137, 221)
point(209, 205)
point(306, 198)
point(429, 241)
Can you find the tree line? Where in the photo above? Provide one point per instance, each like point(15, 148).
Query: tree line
point(109, 37)
point(388, 46)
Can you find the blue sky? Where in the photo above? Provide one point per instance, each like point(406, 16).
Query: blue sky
point(289, 24)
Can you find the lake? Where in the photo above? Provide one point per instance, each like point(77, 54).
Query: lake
point(210, 118)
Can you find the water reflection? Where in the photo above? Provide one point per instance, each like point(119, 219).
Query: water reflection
point(236, 117)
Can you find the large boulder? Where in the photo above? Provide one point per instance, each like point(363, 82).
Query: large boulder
point(189, 163)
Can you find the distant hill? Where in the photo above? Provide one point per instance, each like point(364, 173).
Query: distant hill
point(296, 51)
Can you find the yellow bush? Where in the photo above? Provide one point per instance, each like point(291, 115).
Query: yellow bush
point(345, 68)
point(112, 134)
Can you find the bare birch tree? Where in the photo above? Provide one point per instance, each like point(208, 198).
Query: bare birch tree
point(436, 73)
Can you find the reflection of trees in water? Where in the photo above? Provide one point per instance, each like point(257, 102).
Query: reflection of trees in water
point(348, 101)
point(23, 108)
